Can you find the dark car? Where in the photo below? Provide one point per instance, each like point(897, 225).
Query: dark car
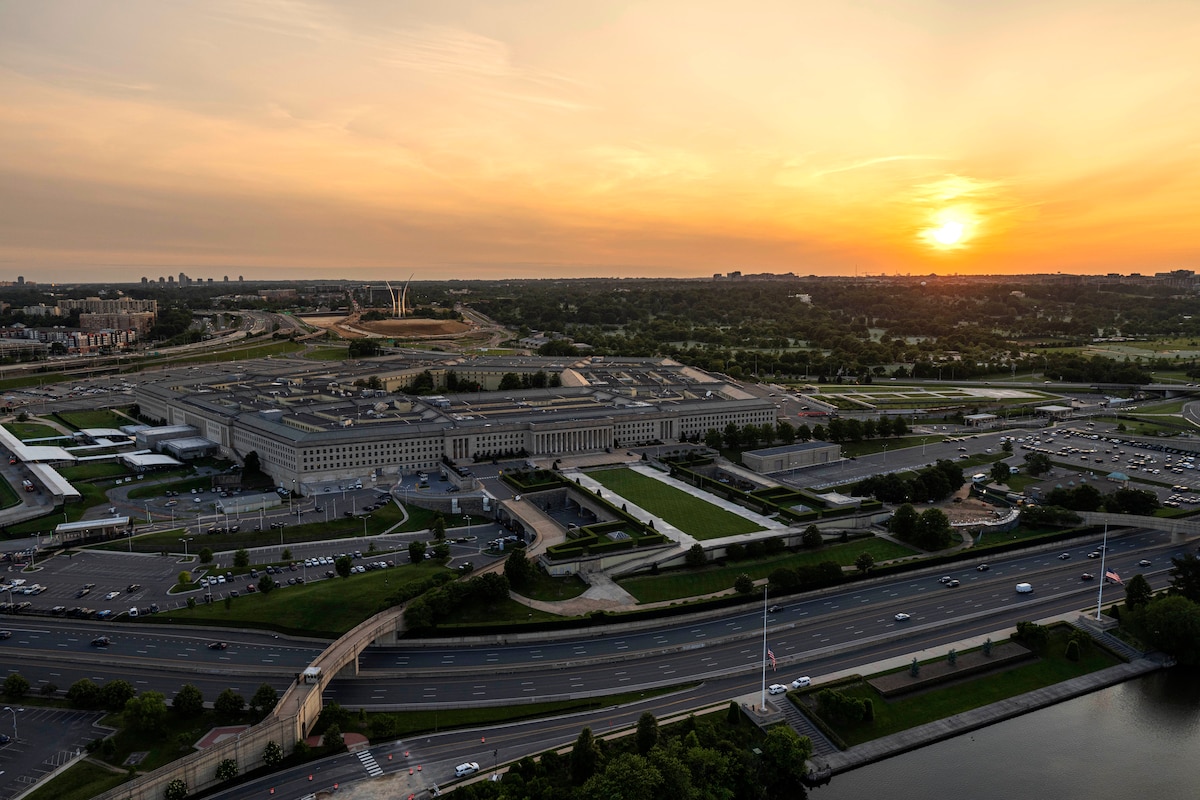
point(983, 568)
point(133, 587)
point(217, 645)
point(101, 641)
point(5, 634)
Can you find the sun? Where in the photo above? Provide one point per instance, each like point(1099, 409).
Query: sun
point(949, 229)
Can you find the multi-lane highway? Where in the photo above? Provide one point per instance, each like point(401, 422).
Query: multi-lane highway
point(855, 622)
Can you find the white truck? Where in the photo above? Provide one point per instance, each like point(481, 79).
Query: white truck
point(1024, 588)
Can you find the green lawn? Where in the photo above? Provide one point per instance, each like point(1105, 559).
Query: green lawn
point(681, 584)
point(870, 446)
point(327, 353)
point(544, 587)
point(30, 430)
point(325, 608)
point(83, 472)
point(689, 514)
point(928, 706)
point(101, 418)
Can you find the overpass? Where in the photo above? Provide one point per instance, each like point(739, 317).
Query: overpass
point(1175, 527)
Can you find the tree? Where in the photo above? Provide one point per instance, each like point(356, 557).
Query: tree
point(1037, 463)
point(904, 521)
point(743, 584)
point(1138, 592)
point(647, 732)
point(176, 790)
point(811, 538)
point(786, 432)
point(864, 562)
point(784, 753)
point(266, 584)
point(241, 558)
point(732, 436)
point(229, 703)
point(1172, 625)
point(438, 527)
point(441, 551)
point(344, 565)
point(585, 757)
point(416, 551)
point(272, 755)
point(206, 555)
point(333, 739)
point(184, 577)
point(115, 694)
point(1007, 446)
point(188, 701)
point(227, 769)
point(263, 700)
point(933, 530)
point(83, 694)
point(16, 686)
point(712, 438)
point(252, 465)
point(1185, 577)
point(519, 570)
point(286, 555)
point(146, 712)
point(1000, 473)
point(695, 556)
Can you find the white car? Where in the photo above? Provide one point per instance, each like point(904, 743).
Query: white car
point(901, 617)
point(776, 688)
point(466, 769)
point(800, 683)
point(112, 595)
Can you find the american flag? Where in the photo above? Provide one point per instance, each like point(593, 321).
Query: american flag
point(1114, 577)
point(771, 656)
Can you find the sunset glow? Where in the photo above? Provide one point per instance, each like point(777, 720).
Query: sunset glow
point(374, 138)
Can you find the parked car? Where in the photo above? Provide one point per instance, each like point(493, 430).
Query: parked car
point(801, 682)
point(776, 688)
point(467, 768)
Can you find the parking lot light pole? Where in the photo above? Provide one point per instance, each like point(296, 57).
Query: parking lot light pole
point(185, 541)
point(14, 713)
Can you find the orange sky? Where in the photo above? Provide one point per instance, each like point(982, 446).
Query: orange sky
point(534, 138)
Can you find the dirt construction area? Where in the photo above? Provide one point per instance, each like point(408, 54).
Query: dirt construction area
point(963, 508)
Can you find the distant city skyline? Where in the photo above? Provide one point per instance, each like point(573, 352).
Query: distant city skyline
point(374, 139)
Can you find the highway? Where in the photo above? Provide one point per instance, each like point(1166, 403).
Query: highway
point(808, 635)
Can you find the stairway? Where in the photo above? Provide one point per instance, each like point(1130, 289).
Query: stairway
point(803, 726)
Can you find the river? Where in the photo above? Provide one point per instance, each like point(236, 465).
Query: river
point(1137, 739)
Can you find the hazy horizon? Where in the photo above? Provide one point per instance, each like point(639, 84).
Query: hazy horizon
point(373, 139)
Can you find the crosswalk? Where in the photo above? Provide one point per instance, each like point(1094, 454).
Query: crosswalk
point(369, 763)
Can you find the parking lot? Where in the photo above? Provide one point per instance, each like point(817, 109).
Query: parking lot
point(48, 738)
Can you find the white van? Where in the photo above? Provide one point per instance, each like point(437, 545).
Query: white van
point(1024, 588)
point(133, 612)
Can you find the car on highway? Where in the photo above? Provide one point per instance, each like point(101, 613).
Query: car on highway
point(5, 634)
point(1087, 576)
point(945, 579)
point(774, 609)
point(101, 641)
point(901, 617)
point(953, 584)
point(467, 768)
point(218, 645)
point(776, 688)
point(1063, 556)
point(1145, 562)
point(982, 568)
point(1094, 554)
point(801, 682)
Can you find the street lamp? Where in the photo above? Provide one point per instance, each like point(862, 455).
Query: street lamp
point(185, 541)
point(14, 713)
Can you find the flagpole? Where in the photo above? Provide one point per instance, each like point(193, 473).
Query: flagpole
point(1103, 572)
point(762, 698)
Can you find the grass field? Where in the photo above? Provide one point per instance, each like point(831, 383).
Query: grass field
point(681, 584)
point(689, 514)
point(83, 472)
point(30, 430)
point(101, 418)
point(327, 353)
